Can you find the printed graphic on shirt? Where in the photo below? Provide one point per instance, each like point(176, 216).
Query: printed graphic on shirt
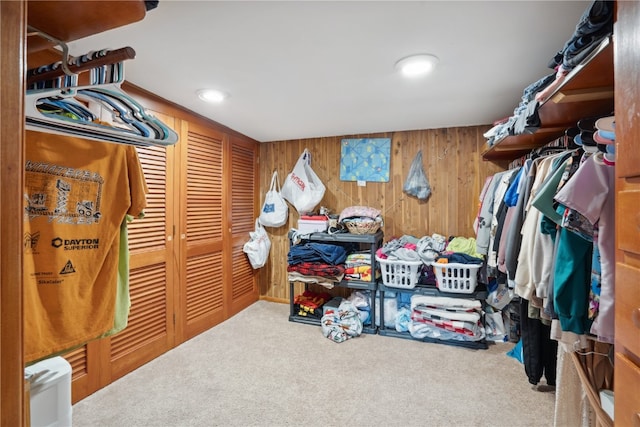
point(63, 195)
point(53, 278)
point(31, 242)
point(75, 244)
point(68, 268)
point(46, 278)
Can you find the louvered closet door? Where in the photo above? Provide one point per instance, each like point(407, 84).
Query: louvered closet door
point(85, 370)
point(201, 230)
point(150, 330)
point(243, 191)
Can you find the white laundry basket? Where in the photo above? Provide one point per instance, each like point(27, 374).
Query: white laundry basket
point(456, 277)
point(399, 274)
point(50, 389)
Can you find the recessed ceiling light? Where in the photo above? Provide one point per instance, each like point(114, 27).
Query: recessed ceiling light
point(212, 96)
point(417, 65)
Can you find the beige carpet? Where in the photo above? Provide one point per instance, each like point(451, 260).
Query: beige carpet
point(259, 369)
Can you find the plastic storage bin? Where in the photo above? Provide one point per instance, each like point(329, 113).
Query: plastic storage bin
point(399, 274)
point(456, 278)
point(311, 226)
point(50, 387)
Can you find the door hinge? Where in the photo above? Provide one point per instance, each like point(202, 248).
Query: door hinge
point(174, 319)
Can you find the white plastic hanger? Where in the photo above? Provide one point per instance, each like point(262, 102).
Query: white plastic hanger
point(99, 111)
point(119, 128)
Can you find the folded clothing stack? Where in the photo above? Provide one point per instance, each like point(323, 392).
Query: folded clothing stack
point(446, 318)
point(309, 303)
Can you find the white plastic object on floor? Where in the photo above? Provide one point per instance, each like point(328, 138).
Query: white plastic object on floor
point(50, 391)
point(606, 401)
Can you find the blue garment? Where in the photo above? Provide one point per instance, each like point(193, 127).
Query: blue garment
point(461, 258)
point(525, 114)
point(595, 24)
point(403, 319)
point(516, 352)
point(317, 252)
point(404, 299)
point(511, 195)
point(530, 91)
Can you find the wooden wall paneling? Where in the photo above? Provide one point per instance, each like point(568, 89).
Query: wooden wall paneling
point(627, 273)
point(445, 194)
point(453, 167)
point(201, 258)
point(434, 155)
point(469, 176)
point(270, 274)
point(12, 60)
point(392, 198)
point(241, 171)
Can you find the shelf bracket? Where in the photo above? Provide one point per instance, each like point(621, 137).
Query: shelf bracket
point(583, 95)
point(63, 46)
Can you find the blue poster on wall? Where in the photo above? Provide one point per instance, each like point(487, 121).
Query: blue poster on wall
point(365, 159)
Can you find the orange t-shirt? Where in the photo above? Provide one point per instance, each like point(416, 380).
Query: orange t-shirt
point(76, 195)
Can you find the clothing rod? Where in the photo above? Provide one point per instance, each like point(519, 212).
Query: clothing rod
point(110, 57)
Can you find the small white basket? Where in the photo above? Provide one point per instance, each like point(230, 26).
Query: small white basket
point(456, 278)
point(399, 274)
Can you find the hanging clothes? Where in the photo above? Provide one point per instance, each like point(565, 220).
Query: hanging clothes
point(538, 349)
point(591, 192)
point(77, 194)
point(514, 236)
point(533, 246)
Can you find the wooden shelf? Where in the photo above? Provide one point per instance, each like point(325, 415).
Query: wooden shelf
point(73, 20)
point(587, 91)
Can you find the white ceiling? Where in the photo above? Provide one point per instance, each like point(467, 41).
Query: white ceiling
point(305, 69)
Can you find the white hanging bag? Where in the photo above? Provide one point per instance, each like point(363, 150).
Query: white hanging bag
point(275, 211)
point(258, 246)
point(303, 188)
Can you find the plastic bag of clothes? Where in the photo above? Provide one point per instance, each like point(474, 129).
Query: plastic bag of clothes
point(341, 324)
point(416, 183)
point(258, 246)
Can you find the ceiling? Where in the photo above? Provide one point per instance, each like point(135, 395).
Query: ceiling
point(306, 69)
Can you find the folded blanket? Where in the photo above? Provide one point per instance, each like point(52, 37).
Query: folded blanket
point(327, 282)
point(420, 331)
point(445, 302)
point(310, 303)
point(473, 330)
point(316, 252)
point(362, 272)
point(317, 269)
point(357, 259)
point(422, 312)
